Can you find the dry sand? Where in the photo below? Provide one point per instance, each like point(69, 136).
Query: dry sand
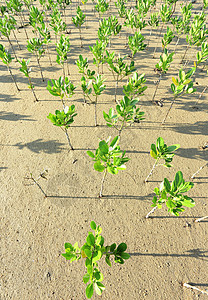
point(165, 250)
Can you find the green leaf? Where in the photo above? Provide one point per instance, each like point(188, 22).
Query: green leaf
point(89, 290)
point(173, 148)
point(103, 146)
point(91, 154)
point(113, 247)
point(99, 288)
point(160, 143)
point(122, 247)
point(88, 253)
point(178, 179)
point(188, 202)
point(186, 187)
point(167, 185)
point(98, 167)
point(93, 225)
point(108, 262)
point(90, 239)
point(96, 256)
point(125, 255)
point(152, 153)
point(86, 278)
point(114, 141)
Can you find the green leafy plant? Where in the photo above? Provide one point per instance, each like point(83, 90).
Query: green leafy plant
point(5, 28)
point(118, 67)
point(162, 151)
point(101, 6)
point(180, 86)
point(182, 23)
point(64, 118)
point(135, 86)
point(93, 250)
point(108, 27)
point(35, 45)
point(135, 20)
point(172, 194)
point(60, 88)
point(62, 49)
point(57, 23)
point(36, 18)
point(78, 20)
point(46, 38)
point(120, 5)
point(98, 87)
point(6, 58)
point(136, 44)
point(126, 114)
point(165, 15)
point(202, 55)
point(162, 67)
point(82, 64)
point(16, 7)
point(26, 71)
point(197, 33)
point(98, 53)
point(108, 158)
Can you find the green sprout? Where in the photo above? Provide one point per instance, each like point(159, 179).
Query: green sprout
point(93, 250)
point(162, 151)
point(108, 158)
point(64, 118)
point(172, 195)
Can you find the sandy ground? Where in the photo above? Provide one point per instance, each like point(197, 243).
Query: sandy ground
point(165, 250)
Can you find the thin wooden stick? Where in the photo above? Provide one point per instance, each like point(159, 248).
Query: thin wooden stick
point(200, 219)
point(194, 288)
point(151, 211)
point(202, 167)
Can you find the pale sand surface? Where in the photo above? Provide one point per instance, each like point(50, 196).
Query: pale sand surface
point(165, 252)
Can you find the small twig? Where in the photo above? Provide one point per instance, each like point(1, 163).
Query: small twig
point(202, 167)
point(101, 189)
point(151, 211)
point(35, 182)
point(194, 288)
point(200, 219)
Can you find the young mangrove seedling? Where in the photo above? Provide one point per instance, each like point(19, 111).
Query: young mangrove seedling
point(64, 118)
point(62, 49)
point(181, 23)
point(162, 67)
point(98, 87)
point(5, 28)
point(135, 86)
point(98, 53)
point(108, 27)
point(6, 58)
point(101, 7)
point(180, 86)
point(119, 68)
point(60, 88)
point(46, 38)
point(136, 44)
point(172, 195)
point(36, 18)
point(92, 251)
point(197, 33)
point(35, 45)
point(78, 20)
point(154, 23)
point(126, 114)
point(162, 151)
point(56, 23)
point(82, 64)
point(108, 158)
point(26, 71)
point(165, 15)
